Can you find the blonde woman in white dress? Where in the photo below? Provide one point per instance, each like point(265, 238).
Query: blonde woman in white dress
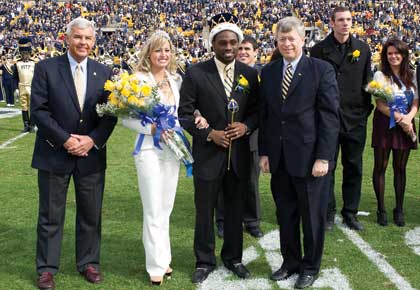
point(157, 170)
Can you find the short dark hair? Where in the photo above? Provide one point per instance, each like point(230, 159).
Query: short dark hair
point(250, 39)
point(339, 9)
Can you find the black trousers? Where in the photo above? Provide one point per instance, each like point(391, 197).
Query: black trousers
point(352, 144)
point(205, 194)
point(52, 205)
point(252, 209)
point(300, 200)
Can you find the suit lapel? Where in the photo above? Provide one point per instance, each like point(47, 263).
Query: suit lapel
point(91, 80)
point(216, 82)
point(330, 52)
point(65, 71)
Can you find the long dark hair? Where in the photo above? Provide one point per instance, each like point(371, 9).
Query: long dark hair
point(406, 73)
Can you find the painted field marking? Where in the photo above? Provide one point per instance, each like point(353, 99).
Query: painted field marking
point(375, 257)
point(412, 240)
point(10, 141)
point(9, 112)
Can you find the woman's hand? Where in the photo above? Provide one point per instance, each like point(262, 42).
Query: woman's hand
point(201, 122)
point(405, 121)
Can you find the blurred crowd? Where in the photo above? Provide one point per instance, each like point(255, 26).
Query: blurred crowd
point(123, 25)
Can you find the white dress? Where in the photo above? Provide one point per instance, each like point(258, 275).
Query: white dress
point(157, 173)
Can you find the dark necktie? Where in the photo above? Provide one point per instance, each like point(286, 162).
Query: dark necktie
point(287, 79)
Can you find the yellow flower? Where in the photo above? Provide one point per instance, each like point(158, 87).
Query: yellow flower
point(113, 99)
point(146, 90)
point(356, 53)
point(140, 102)
point(118, 86)
point(388, 90)
point(135, 88)
point(132, 100)
point(109, 85)
point(125, 92)
point(243, 82)
point(374, 84)
point(125, 76)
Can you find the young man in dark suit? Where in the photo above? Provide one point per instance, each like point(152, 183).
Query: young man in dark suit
point(351, 59)
point(70, 142)
point(297, 137)
point(208, 87)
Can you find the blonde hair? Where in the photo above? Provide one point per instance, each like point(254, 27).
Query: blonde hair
point(157, 40)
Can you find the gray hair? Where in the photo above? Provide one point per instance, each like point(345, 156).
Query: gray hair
point(80, 22)
point(287, 24)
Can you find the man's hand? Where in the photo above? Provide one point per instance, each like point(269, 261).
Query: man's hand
point(71, 143)
point(219, 137)
point(264, 164)
point(235, 130)
point(320, 168)
point(85, 144)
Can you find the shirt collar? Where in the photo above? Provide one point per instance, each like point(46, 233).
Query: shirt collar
point(294, 62)
point(221, 66)
point(73, 63)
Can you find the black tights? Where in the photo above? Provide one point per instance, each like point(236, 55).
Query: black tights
point(399, 164)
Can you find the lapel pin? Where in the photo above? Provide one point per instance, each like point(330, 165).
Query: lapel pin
point(94, 73)
point(299, 74)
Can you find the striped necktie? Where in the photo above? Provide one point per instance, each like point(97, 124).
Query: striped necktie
point(227, 80)
point(79, 84)
point(287, 79)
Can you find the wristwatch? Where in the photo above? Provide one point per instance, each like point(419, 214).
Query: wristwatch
point(247, 131)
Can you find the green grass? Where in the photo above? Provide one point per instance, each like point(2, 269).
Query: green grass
point(122, 255)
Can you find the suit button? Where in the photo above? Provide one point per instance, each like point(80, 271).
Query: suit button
point(281, 138)
point(283, 122)
point(81, 120)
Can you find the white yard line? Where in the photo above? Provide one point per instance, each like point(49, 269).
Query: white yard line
point(11, 112)
point(375, 257)
point(10, 141)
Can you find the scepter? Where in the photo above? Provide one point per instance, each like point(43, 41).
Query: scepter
point(233, 107)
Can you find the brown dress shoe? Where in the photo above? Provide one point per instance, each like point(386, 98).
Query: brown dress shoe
point(92, 275)
point(46, 281)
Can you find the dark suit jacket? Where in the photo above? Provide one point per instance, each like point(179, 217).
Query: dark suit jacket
point(305, 126)
point(202, 89)
point(56, 112)
point(352, 78)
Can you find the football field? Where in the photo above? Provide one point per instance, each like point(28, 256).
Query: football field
point(374, 259)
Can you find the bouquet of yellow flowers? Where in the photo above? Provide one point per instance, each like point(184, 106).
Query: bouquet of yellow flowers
point(380, 90)
point(137, 99)
point(383, 91)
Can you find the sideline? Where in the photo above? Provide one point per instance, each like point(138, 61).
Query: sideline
point(375, 257)
point(9, 112)
point(10, 141)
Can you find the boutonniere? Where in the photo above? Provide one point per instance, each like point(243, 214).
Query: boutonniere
point(242, 84)
point(354, 56)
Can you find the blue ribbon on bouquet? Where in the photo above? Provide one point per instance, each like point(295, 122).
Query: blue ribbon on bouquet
point(165, 119)
point(400, 104)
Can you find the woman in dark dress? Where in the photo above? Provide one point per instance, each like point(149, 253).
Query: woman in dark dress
point(394, 132)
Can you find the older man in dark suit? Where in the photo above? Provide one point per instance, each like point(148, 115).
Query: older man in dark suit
point(70, 142)
point(351, 59)
point(297, 138)
point(209, 87)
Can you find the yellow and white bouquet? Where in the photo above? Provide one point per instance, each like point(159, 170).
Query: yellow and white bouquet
point(131, 97)
point(381, 90)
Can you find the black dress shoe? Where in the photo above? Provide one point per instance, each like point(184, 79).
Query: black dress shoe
point(351, 221)
point(239, 270)
point(304, 281)
point(254, 231)
point(381, 218)
point(282, 274)
point(201, 274)
point(398, 218)
point(220, 230)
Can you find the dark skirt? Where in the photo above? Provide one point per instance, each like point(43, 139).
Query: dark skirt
point(385, 138)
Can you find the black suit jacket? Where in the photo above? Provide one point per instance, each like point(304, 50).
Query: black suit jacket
point(203, 89)
point(352, 78)
point(56, 112)
point(305, 126)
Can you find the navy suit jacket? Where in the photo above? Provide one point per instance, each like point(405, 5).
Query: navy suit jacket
point(203, 89)
point(56, 112)
point(305, 126)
